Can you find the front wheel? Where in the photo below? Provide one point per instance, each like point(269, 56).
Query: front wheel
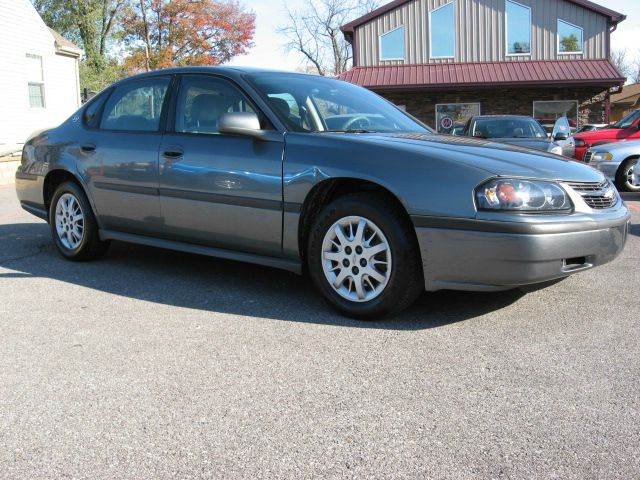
point(73, 225)
point(363, 257)
point(628, 177)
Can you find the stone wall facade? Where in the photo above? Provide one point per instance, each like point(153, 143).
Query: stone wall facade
point(592, 102)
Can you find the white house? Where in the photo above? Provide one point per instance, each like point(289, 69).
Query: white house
point(39, 82)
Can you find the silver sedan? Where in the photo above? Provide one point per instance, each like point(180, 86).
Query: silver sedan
point(619, 162)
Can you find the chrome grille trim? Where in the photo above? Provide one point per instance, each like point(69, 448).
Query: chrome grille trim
point(594, 193)
point(588, 156)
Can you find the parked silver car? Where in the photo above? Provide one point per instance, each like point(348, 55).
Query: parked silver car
point(619, 162)
point(309, 173)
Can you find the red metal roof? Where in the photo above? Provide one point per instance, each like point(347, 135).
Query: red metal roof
point(440, 76)
point(613, 16)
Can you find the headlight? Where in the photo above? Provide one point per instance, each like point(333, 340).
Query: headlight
point(556, 149)
point(580, 143)
point(522, 196)
point(602, 156)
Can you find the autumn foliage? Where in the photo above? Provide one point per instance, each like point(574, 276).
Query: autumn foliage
point(162, 33)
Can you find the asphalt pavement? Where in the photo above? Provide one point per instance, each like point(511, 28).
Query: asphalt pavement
point(156, 364)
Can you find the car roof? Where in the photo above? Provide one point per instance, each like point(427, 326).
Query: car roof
point(222, 70)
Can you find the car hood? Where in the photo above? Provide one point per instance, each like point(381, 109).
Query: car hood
point(598, 134)
point(495, 158)
point(535, 143)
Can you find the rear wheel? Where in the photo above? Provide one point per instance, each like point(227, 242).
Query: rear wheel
point(73, 225)
point(363, 257)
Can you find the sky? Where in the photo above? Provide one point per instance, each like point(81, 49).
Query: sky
point(269, 52)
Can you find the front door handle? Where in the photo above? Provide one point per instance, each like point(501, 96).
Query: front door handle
point(173, 154)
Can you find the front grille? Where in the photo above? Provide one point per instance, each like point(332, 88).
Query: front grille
point(597, 195)
point(588, 156)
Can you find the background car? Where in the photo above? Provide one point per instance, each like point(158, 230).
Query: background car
point(522, 131)
point(588, 127)
point(307, 173)
point(619, 162)
point(626, 129)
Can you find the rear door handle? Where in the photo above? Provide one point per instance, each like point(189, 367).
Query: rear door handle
point(88, 148)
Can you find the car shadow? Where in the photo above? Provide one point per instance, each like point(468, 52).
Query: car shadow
point(215, 285)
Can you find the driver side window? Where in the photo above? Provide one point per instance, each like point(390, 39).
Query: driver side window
point(202, 100)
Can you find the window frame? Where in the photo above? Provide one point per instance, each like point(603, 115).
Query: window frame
point(431, 56)
point(163, 113)
point(533, 110)
point(580, 52)
point(506, 29)
point(170, 126)
point(40, 83)
point(404, 45)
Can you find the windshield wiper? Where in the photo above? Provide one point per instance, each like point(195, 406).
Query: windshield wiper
point(353, 130)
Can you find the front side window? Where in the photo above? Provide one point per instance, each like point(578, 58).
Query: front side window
point(136, 106)
point(518, 23)
point(450, 116)
point(547, 112)
point(203, 100)
point(569, 38)
point(35, 81)
point(307, 103)
point(392, 45)
point(442, 32)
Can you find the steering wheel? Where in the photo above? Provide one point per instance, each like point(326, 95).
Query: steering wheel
point(358, 123)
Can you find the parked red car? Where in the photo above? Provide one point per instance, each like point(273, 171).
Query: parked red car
point(626, 129)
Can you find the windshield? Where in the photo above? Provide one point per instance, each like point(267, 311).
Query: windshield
point(507, 128)
point(627, 121)
point(306, 103)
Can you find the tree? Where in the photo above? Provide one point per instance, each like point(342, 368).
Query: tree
point(161, 34)
point(90, 23)
point(620, 61)
point(570, 43)
point(314, 31)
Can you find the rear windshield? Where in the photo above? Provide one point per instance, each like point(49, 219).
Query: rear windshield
point(507, 128)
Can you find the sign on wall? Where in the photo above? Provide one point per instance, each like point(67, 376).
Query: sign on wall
point(451, 115)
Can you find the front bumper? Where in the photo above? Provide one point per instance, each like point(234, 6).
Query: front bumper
point(503, 255)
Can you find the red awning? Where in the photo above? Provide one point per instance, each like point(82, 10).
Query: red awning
point(442, 76)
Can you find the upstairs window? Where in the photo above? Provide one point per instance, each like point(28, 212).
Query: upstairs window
point(442, 32)
point(392, 45)
point(569, 38)
point(35, 81)
point(518, 23)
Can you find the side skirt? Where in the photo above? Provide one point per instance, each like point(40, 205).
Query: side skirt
point(281, 263)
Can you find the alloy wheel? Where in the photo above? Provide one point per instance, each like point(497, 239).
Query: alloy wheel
point(356, 259)
point(69, 220)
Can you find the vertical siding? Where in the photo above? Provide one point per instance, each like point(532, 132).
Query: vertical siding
point(22, 31)
point(480, 31)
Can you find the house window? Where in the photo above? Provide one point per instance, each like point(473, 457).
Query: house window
point(35, 81)
point(548, 111)
point(452, 115)
point(518, 25)
point(569, 38)
point(392, 45)
point(442, 32)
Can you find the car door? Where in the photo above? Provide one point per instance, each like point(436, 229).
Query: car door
point(119, 157)
point(219, 190)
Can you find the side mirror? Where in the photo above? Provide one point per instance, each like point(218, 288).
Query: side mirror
point(246, 124)
point(560, 136)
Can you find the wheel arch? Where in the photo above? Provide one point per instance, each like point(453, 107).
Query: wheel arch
point(56, 177)
point(328, 190)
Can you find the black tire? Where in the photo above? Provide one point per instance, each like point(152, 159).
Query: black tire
point(406, 281)
point(90, 246)
point(622, 176)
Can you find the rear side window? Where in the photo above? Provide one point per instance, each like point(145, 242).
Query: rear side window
point(136, 106)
